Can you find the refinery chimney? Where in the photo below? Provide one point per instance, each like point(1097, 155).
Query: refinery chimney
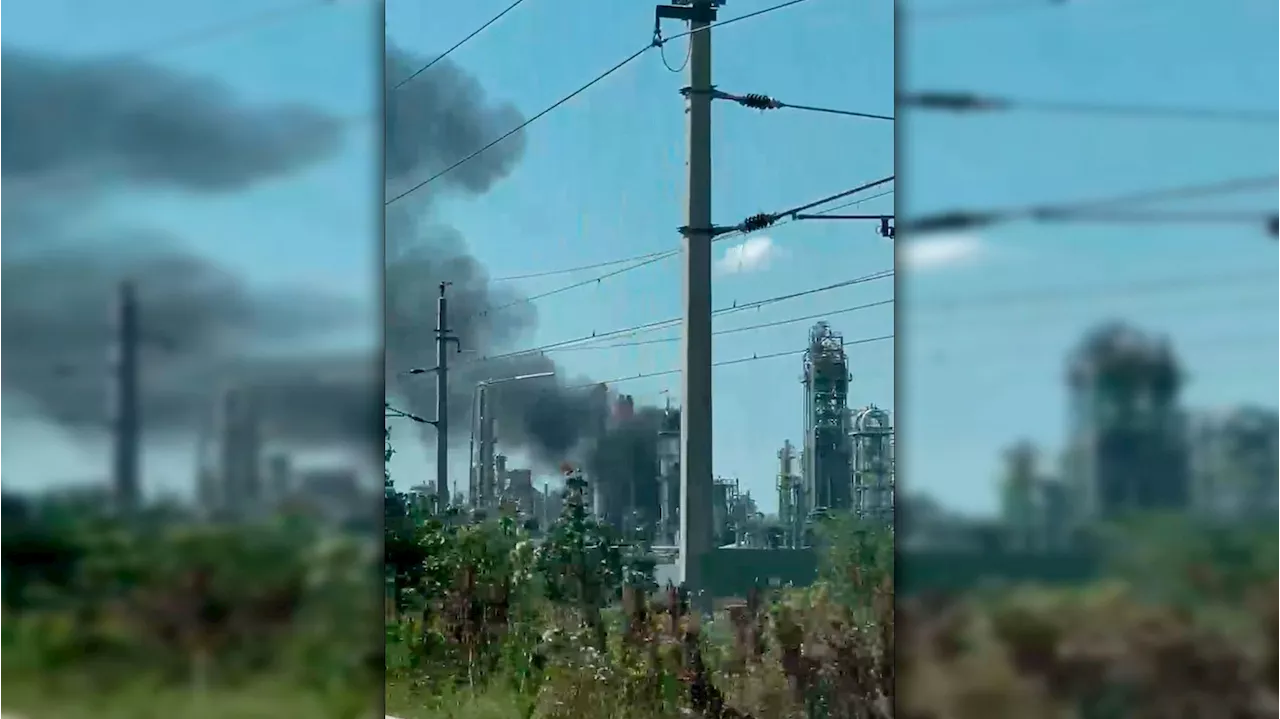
point(126, 421)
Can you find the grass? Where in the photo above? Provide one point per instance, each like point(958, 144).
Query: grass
point(35, 697)
point(802, 656)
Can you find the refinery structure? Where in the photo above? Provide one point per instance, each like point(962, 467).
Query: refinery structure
point(241, 473)
point(846, 459)
point(1132, 446)
point(241, 476)
point(843, 463)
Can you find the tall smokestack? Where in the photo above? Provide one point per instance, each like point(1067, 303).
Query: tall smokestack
point(125, 411)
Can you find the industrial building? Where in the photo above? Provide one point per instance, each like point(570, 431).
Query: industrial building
point(846, 462)
point(1132, 447)
point(827, 456)
point(1127, 447)
point(240, 478)
point(630, 473)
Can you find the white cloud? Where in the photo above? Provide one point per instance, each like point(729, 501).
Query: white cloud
point(751, 255)
point(939, 252)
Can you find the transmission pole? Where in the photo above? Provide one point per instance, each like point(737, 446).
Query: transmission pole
point(443, 338)
point(126, 420)
point(695, 420)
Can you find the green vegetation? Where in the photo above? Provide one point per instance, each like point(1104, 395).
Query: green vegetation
point(487, 621)
point(1182, 623)
point(161, 617)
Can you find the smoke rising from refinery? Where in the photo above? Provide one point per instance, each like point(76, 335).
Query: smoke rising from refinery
point(91, 131)
point(433, 121)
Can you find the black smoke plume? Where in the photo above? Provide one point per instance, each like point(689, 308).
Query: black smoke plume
point(433, 121)
point(81, 132)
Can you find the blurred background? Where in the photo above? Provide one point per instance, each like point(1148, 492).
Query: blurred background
point(1087, 385)
point(190, 313)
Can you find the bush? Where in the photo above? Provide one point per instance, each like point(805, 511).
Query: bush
point(570, 625)
point(126, 611)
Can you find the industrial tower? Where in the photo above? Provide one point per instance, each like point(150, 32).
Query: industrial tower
point(238, 427)
point(827, 478)
point(791, 514)
point(125, 404)
point(1128, 450)
point(872, 438)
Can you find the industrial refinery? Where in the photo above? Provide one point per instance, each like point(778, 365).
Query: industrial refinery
point(843, 463)
point(1132, 446)
point(239, 474)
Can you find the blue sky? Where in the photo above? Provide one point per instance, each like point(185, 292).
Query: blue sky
point(603, 178)
point(312, 229)
point(974, 380)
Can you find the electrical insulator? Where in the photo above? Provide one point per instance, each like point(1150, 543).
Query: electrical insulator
point(757, 222)
point(757, 101)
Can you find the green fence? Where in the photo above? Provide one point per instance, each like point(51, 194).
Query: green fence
point(952, 571)
point(732, 572)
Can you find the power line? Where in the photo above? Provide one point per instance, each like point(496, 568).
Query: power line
point(965, 11)
point(768, 219)
point(732, 20)
point(757, 101)
point(726, 363)
point(734, 330)
point(457, 45)
point(671, 322)
point(656, 42)
point(960, 220)
point(974, 102)
point(583, 268)
point(1052, 295)
point(549, 293)
point(1254, 218)
point(639, 261)
point(660, 254)
point(217, 31)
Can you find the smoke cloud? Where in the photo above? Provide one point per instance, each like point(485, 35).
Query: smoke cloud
point(84, 131)
point(433, 121)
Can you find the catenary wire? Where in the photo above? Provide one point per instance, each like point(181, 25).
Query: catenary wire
point(969, 219)
point(1181, 284)
point(734, 330)
point(726, 363)
point(962, 102)
point(219, 30)
point(1055, 295)
point(639, 261)
point(663, 324)
point(592, 83)
point(764, 220)
point(972, 10)
point(583, 268)
point(457, 45)
point(662, 253)
point(757, 101)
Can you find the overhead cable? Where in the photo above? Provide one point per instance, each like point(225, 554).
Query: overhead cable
point(969, 10)
point(757, 101)
point(671, 322)
point(1092, 210)
point(217, 31)
point(457, 45)
point(736, 330)
point(584, 268)
point(768, 219)
point(653, 257)
point(662, 254)
point(973, 102)
point(726, 363)
point(655, 42)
